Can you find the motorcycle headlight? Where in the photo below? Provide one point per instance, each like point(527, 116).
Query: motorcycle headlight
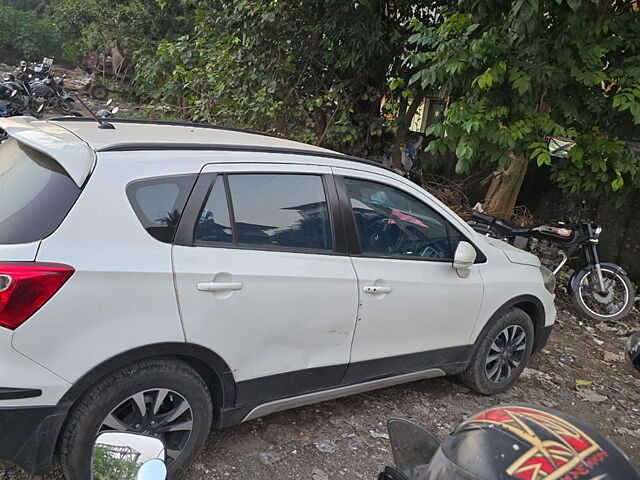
point(597, 231)
point(548, 278)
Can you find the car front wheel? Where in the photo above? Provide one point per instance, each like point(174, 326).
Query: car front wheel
point(502, 354)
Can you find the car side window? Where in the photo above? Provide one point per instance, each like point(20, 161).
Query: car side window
point(281, 210)
point(159, 202)
point(391, 223)
point(274, 211)
point(214, 223)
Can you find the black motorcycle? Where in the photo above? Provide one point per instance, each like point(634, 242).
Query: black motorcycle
point(50, 92)
point(600, 290)
point(16, 97)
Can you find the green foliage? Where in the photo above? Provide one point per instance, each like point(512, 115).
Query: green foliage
point(25, 33)
point(108, 466)
point(39, 7)
point(517, 73)
point(314, 71)
point(91, 25)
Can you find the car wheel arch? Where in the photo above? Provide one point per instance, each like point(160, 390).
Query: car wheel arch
point(215, 372)
point(530, 304)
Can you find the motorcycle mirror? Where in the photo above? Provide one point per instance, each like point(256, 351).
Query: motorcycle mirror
point(127, 456)
point(115, 110)
point(413, 447)
point(14, 93)
point(109, 102)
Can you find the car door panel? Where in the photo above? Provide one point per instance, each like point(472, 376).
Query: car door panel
point(414, 312)
point(269, 313)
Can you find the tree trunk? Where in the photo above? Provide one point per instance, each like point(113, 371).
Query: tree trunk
point(404, 123)
point(503, 191)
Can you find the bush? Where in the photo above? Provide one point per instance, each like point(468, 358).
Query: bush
point(25, 33)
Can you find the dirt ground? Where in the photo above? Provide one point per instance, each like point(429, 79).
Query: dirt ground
point(346, 438)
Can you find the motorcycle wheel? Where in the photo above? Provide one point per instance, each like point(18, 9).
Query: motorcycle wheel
point(63, 107)
point(612, 305)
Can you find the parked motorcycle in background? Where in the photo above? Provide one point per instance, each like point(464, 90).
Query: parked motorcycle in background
point(50, 92)
point(20, 99)
point(600, 290)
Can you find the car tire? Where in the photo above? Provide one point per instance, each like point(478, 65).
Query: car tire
point(114, 392)
point(492, 371)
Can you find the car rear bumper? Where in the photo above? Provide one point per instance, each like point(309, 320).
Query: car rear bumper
point(28, 436)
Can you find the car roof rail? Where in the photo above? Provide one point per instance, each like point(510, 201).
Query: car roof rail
point(148, 121)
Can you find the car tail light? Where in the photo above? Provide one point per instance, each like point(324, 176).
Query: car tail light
point(27, 286)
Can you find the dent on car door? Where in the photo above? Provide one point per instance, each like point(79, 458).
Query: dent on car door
point(261, 282)
point(415, 311)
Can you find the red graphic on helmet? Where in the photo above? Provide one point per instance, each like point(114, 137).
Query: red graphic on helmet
point(557, 449)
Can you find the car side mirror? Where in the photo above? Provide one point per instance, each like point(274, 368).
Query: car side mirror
point(463, 259)
point(128, 456)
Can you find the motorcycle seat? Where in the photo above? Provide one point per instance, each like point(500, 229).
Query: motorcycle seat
point(502, 226)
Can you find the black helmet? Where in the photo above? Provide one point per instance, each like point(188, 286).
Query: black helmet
point(513, 442)
point(23, 64)
point(633, 350)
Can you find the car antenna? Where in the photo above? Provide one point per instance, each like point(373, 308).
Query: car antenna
point(101, 123)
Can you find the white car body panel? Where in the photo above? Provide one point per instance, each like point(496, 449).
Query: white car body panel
point(18, 370)
point(122, 294)
point(295, 310)
point(22, 252)
point(423, 311)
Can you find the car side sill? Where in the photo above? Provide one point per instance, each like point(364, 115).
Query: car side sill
point(324, 395)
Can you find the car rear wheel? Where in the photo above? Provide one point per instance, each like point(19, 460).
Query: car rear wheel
point(502, 354)
point(163, 398)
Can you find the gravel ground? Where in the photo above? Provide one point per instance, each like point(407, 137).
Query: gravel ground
point(346, 438)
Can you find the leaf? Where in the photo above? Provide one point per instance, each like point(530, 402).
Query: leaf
point(583, 383)
point(574, 4)
point(617, 184)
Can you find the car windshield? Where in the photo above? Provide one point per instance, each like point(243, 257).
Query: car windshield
point(35, 194)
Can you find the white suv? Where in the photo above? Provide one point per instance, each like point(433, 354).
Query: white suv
point(166, 278)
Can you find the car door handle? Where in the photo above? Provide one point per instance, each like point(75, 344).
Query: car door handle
point(376, 289)
point(219, 286)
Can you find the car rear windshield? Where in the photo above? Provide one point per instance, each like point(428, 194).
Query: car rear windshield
point(35, 194)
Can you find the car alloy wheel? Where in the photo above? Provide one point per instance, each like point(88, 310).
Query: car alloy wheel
point(159, 412)
point(505, 354)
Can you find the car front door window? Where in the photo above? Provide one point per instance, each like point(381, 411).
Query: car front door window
point(394, 224)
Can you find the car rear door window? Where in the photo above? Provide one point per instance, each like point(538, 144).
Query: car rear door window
point(280, 211)
point(36, 194)
point(159, 202)
point(391, 223)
